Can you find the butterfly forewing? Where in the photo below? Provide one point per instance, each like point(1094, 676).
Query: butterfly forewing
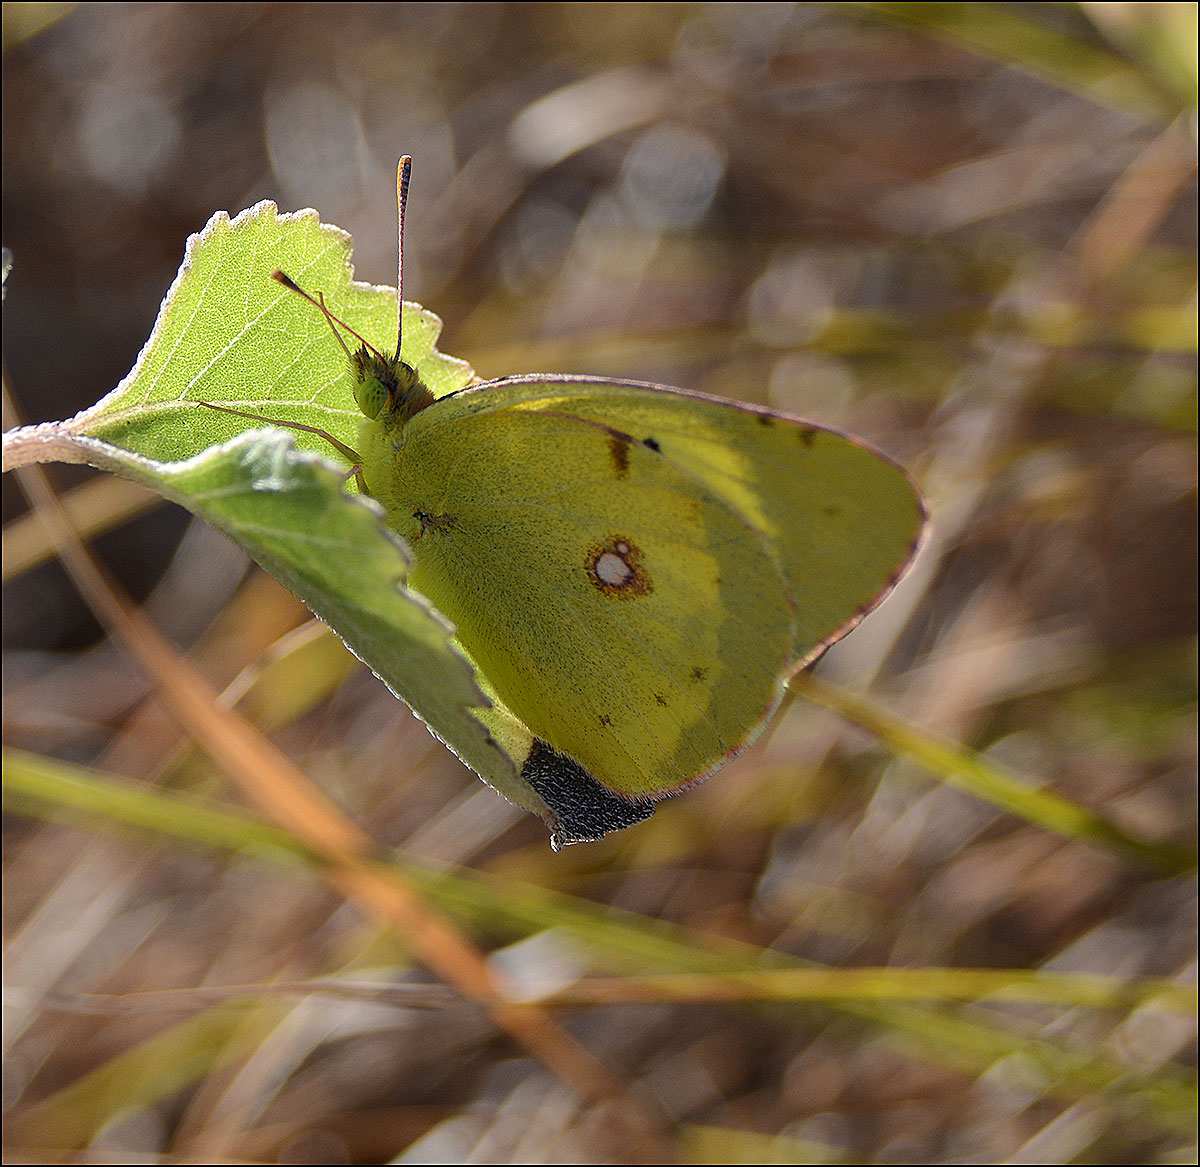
point(843, 519)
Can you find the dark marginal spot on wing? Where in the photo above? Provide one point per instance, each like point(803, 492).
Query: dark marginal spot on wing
point(765, 419)
point(614, 567)
point(583, 809)
point(808, 436)
point(618, 450)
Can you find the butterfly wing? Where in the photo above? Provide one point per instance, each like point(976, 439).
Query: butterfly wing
point(629, 615)
point(844, 520)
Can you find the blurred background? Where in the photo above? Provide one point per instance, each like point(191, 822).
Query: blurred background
point(966, 233)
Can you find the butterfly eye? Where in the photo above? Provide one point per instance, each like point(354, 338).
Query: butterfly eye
point(371, 396)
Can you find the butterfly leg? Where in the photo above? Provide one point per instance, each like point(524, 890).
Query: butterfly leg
point(431, 522)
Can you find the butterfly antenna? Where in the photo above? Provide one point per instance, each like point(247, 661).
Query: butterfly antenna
point(319, 303)
point(402, 172)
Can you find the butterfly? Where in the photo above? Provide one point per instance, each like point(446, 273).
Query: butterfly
point(635, 571)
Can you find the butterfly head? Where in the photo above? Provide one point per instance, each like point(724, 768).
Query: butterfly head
point(387, 386)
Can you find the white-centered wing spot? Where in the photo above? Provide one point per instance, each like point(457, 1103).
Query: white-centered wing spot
point(614, 567)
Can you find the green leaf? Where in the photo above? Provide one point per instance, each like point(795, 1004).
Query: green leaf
point(228, 334)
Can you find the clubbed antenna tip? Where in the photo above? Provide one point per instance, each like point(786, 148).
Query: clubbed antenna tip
point(403, 170)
